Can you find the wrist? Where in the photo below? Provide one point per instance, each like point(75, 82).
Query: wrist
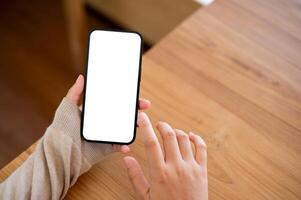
point(67, 119)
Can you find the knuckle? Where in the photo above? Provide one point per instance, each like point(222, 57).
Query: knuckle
point(151, 143)
point(180, 171)
point(182, 136)
point(204, 173)
point(200, 171)
point(162, 176)
point(201, 146)
point(142, 122)
point(169, 134)
point(196, 172)
point(200, 143)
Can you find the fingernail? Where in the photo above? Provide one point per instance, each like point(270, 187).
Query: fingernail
point(125, 149)
point(78, 78)
point(146, 100)
point(159, 123)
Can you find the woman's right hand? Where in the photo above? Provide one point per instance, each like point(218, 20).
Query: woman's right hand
point(179, 173)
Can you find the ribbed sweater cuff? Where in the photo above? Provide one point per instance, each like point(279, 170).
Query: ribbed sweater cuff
point(67, 119)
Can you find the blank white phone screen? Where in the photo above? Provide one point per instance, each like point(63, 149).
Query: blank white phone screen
point(111, 86)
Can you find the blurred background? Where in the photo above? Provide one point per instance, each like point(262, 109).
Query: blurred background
point(43, 48)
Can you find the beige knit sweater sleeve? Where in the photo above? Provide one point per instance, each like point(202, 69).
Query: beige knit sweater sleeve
point(60, 157)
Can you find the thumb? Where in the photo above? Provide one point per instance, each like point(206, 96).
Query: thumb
point(76, 90)
point(137, 177)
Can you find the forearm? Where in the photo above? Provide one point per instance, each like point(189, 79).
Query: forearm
point(59, 159)
point(54, 166)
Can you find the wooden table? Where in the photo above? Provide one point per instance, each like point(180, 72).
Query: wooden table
point(232, 73)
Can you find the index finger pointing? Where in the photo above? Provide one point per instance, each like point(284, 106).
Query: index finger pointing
point(151, 144)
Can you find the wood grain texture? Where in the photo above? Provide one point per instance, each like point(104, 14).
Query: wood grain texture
point(231, 74)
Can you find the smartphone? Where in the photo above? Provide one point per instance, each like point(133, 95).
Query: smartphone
point(111, 91)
